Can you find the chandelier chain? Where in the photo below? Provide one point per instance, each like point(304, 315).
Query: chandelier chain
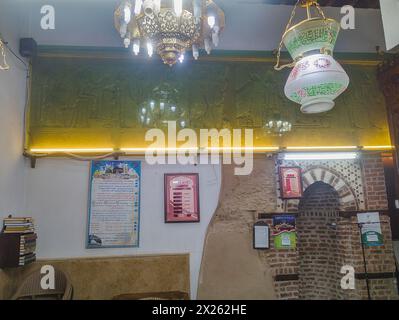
point(321, 12)
point(3, 66)
point(289, 65)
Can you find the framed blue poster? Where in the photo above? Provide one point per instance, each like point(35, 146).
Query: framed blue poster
point(114, 204)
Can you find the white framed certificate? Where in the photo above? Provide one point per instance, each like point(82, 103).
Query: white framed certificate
point(261, 235)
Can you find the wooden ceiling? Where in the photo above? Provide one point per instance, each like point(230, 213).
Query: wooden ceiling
point(371, 4)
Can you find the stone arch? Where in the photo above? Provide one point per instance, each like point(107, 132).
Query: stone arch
point(346, 195)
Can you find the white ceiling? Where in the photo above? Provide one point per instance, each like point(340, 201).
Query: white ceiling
point(250, 24)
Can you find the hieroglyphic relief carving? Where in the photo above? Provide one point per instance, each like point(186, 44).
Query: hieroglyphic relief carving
point(70, 94)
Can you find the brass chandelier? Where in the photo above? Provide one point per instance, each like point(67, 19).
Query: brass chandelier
point(171, 27)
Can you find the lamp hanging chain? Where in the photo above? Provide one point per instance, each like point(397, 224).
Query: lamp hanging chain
point(329, 28)
point(289, 65)
point(321, 12)
point(3, 66)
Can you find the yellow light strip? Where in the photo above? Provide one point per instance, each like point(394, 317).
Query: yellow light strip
point(378, 147)
point(206, 149)
point(67, 150)
point(324, 148)
point(158, 149)
point(242, 148)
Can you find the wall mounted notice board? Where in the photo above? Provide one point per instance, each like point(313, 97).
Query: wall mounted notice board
point(114, 204)
point(261, 235)
point(284, 232)
point(182, 198)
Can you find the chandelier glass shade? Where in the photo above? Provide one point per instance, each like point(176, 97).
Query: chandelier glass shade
point(169, 27)
point(317, 79)
point(315, 82)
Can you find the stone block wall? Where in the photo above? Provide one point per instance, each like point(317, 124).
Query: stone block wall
point(231, 268)
point(374, 183)
point(284, 266)
point(318, 254)
point(327, 230)
point(359, 186)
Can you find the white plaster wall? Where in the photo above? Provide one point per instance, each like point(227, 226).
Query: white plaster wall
point(390, 11)
point(57, 193)
point(12, 102)
point(396, 250)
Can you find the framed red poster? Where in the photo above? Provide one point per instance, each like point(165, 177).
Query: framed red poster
point(182, 198)
point(290, 182)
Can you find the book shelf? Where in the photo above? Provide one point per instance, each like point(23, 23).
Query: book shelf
point(17, 250)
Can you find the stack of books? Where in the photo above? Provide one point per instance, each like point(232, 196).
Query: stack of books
point(27, 247)
point(19, 238)
point(18, 225)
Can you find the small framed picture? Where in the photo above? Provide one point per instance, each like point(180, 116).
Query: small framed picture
point(290, 182)
point(182, 198)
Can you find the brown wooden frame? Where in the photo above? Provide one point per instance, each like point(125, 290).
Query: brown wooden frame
point(282, 191)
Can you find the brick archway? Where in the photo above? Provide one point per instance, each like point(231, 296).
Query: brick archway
point(318, 243)
point(346, 195)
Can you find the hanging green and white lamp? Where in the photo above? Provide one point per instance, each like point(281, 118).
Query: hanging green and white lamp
point(317, 79)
